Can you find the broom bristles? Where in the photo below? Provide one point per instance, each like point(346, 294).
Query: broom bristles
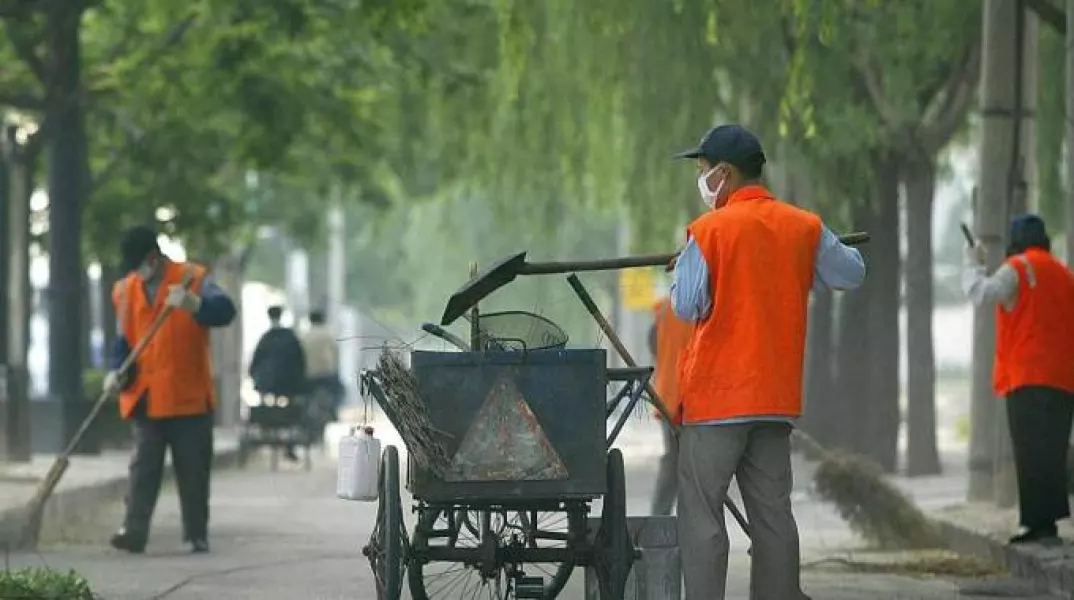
point(871, 505)
point(423, 441)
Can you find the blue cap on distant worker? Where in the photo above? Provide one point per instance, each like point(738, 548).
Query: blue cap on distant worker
point(1028, 231)
point(731, 144)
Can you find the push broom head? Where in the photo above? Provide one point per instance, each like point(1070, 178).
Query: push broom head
point(871, 505)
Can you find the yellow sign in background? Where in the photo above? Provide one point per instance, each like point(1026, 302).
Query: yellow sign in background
point(637, 288)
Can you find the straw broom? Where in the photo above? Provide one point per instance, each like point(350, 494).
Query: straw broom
point(870, 504)
point(423, 440)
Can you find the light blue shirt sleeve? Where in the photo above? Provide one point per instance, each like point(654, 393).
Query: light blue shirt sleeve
point(690, 297)
point(838, 266)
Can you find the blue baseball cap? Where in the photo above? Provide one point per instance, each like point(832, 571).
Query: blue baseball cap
point(731, 144)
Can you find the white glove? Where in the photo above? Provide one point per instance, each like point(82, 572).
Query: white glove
point(976, 255)
point(111, 383)
point(180, 297)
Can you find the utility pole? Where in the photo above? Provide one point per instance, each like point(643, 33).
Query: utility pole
point(1020, 192)
point(990, 214)
point(337, 269)
point(1069, 44)
point(16, 379)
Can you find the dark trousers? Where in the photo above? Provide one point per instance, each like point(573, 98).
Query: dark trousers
point(1040, 423)
point(191, 442)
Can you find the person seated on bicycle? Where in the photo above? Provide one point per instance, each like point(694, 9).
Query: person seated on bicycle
point(323, 356)
point(278, 366)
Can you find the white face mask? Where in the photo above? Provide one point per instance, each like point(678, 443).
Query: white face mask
point(708, 196)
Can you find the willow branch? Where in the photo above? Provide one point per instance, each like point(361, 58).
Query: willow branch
point(938, 131)
point(27, 102)
point(870, 82)
point(1055, 17)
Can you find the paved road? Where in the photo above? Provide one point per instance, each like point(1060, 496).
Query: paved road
point(284, 535)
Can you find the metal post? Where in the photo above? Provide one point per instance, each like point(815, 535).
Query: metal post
point(1069, 45)
point(997, 145)
point(17, 407)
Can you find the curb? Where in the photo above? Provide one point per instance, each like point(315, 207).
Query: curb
point(1049, 567)
point(72, 505)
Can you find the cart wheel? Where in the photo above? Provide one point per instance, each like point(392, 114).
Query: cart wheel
point(387, 548)
point(614, 548)
point(460, 528)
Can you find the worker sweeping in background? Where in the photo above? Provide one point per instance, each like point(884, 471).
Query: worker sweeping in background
point(168, 393)
point(744, 277)
point(667, 339)
point(1034, 368)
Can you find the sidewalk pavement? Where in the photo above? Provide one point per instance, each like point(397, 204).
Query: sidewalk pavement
point(94, 483)
point(981, 529)
point(89, 483)
point(281, 535)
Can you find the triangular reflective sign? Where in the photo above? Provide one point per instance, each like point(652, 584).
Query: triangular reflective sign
point(505, 442)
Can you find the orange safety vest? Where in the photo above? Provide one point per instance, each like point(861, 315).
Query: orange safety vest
point(1035, 341)
point(746, 358)
point(175, 368)
point(672, 337)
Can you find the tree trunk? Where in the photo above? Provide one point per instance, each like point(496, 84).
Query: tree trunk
point(5, 250)
point(108, 311)
point(922, 456)
point(819, 418)
point(68, 186)
point(882, 398)
point(15, 407)
point(87, 320)
point(317, 277)
point(853, 348)
point(227, 343)
point(1070, 137)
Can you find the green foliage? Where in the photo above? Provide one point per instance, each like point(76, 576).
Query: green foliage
point(44, 584)
point(413, 256)
point(527, 112)
point(186, 98)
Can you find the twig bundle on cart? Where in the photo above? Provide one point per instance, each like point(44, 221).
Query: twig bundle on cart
point(409, 414)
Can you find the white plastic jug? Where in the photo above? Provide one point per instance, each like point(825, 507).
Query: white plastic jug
point(359, 465)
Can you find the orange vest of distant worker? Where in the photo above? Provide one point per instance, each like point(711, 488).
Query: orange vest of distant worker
point(746, 358)
point(672, 337)
point(175, 368)
point(1035, 341)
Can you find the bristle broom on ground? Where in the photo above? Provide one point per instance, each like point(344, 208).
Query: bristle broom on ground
point(872, 506)
point(408, 413)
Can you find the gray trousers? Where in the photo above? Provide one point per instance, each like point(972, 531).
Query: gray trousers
point(667, 474)
point(191, 443)
point(758, 455)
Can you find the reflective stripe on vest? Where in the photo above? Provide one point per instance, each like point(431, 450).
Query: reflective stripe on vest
point(1035, 339)
point(746, 358)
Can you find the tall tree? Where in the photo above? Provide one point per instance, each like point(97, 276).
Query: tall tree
point(921, 112)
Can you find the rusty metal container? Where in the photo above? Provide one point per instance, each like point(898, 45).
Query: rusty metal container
point(523, 426)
